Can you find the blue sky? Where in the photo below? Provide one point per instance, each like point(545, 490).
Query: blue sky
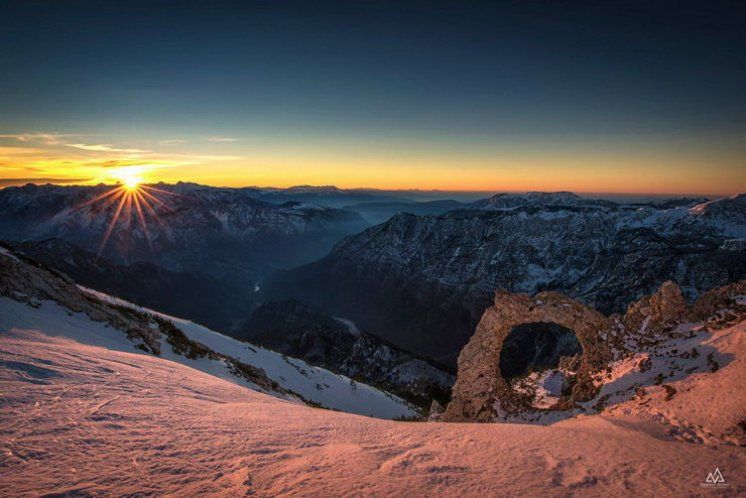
point(507, 95)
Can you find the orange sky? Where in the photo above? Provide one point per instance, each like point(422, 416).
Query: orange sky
point(229, 161)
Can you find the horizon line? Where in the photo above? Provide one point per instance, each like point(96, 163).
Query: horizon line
point(423, 190)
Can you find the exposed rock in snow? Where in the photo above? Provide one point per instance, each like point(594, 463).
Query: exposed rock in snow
point(482, 390)
point(659, 342)
point(688, 387)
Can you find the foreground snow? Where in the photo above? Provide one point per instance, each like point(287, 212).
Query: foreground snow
point(85, 420)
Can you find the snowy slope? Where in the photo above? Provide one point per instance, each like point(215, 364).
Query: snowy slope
point(33, 297)
point(314, 384)
point(311, 382)
point(87, 421)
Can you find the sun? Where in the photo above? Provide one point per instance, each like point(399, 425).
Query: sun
point(130, 203)
point(129, 177)
point(131, 182)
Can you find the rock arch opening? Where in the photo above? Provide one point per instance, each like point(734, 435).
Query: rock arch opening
point(537, 346)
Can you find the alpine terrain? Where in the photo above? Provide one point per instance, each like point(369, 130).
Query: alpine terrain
point(423, 282)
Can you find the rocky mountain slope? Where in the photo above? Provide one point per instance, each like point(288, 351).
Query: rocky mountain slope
point(36, 297)
point(379, 212)
point(223, 232)
point(300, 331)
point(202, 298)
point(290, 328)
point(423, 282)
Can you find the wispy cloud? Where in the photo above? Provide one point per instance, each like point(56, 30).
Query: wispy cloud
point(221, 139)
point(58, 158)
point(191, 158)
point(107, 148)
point(45, 137)
point(173, 141)
point(19, 151)
point(116, 163)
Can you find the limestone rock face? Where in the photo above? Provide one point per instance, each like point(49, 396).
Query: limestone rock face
point(658, 312)
point(436, 411)
point(721, 307)
point(487, 391)
point(482, 392)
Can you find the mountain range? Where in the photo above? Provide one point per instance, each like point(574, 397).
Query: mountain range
point(226, 233)
point(418, 281)
point(423, 282)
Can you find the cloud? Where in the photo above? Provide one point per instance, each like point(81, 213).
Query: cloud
point(173, 141)
point(221, 139)
point(47, 138)
point(116, 163)
point(19, 151)
point(190, 158)
point(55, 138)
point(107, 148)
point(10, 182)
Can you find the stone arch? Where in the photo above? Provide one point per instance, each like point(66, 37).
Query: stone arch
point(481, 391)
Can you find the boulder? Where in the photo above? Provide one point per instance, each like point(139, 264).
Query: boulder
point(659, 312)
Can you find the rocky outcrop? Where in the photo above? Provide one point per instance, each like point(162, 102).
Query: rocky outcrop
point(661, 316)
point(300, 331)
point(486, 390)
point(657, 312)
point(721, 307)
point(482, 393)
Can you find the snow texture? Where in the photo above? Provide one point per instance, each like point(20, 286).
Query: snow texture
point(81, 420)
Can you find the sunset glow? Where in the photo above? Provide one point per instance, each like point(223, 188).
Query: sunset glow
point(676, 168)
point(129, 177)
point(474, 100)
point(245, 246)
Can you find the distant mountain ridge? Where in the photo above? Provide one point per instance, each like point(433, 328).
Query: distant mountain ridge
point(541, 199)
point(227, 233)
point(422, 282)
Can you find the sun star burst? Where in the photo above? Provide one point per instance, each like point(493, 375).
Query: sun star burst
point(133, 203)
